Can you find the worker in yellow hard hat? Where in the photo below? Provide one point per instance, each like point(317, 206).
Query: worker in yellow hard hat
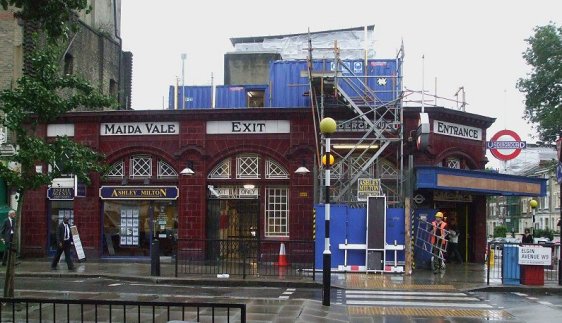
point(438, 241)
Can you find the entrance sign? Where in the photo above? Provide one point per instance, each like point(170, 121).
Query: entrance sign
point(456, 130)
point(533, 255)
point(513, 145)
point(139, 128)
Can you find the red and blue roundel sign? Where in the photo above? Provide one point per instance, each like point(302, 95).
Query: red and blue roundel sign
point(508, 141)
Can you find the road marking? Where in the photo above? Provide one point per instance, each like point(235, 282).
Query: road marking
point(382, 292)
point(418, 304)
point(115, 284)
point(519, 294)
point(287, 293)
point(420, 297)
point(545, 303)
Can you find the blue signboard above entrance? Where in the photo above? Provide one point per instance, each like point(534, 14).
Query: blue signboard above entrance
point(60, 193)
point(138, 192)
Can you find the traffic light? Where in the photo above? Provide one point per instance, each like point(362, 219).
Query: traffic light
point(422, 132)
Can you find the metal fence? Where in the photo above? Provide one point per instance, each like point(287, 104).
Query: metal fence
point(90, 310)
point(245, 257)
point(503, 266)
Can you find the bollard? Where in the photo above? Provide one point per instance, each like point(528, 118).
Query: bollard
point(155, 258)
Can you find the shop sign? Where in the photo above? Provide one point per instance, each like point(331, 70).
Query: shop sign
point(139, 128)
point(532, 255)
point(456, 130)
point(452, 196)
point(138, 192)
point(368, 187)
point(247, 127)
point(60, 193)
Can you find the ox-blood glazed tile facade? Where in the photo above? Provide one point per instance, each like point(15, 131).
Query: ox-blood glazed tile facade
point(271, 144)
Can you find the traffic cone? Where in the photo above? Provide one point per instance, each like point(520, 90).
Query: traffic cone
point(282, 256)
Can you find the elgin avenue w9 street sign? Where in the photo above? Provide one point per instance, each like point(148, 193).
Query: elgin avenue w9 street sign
point(506, 145)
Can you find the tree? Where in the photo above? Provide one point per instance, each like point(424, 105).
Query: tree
point(543, 85)
point(40, 97)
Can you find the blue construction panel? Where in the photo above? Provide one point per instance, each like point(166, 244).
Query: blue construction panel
point(510, 265)
point(196, 97)
point(289, 80)
point(229, 96)
point(337, 233)
point(356, 234)
point(395, 232)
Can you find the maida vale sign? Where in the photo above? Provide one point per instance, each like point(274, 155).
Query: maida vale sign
point(139, 128)
point(456, 130)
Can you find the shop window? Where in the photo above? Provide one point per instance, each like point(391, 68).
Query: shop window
point(221, 171)
point(165, 170)
point(58, 210)
point(117, 170)
point(247, 166)
point(274, 170)
point(277, 212)
point(140, 166)
point(453, 162)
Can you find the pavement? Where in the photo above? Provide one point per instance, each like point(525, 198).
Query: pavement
point(457, 278)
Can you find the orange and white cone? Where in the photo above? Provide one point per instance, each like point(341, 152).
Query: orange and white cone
point(282, 256)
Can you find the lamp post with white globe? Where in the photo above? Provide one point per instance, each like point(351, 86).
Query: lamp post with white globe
point(327, 127)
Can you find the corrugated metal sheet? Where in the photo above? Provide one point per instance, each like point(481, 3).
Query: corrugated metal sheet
point(289, 80)
point(236, 96)
point(196, 97)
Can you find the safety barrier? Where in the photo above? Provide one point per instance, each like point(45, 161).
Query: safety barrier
point(424, 238)
point(92, 310)
point(502, 264)
point(246, 257)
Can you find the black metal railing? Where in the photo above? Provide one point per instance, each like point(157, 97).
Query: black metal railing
point(91, 310)
point(503, 266)
point(246, 257)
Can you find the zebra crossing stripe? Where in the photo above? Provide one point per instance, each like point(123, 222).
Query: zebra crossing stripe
point(418, 304)
point(420, 297)
point(384, 292)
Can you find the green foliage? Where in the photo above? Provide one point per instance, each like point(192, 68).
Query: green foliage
point(543, 86)
point(39, 98)
point(546, 233)
point(500, 231)
point(53, 16)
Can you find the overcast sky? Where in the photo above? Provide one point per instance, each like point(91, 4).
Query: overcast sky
point(477, 44)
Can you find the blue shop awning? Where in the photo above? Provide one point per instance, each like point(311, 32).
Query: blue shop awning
point(482, 182)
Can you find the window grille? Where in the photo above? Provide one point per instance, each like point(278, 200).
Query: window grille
point(277, 212)
point(274, 170)
point(247, 166)
point(117, 170)
point(165, 170)
point(453, 162)
point(221, 171)
point(141, 166)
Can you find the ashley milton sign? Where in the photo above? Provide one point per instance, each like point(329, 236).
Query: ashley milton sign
point(139, 128)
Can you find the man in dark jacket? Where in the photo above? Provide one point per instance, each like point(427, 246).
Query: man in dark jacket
point(64, 241)
point(8, 228)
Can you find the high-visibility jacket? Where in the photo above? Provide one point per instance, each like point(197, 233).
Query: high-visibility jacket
point(441, 226)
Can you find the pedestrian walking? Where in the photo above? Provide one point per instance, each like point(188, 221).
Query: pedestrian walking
point(64, 241)
point(438, 242)
point(527, 237)
point(454, 253)
point(8, 229)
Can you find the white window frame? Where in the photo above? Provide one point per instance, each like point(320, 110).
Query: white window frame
point(276, 211)
point(165, 170)
point(135, 161)
point(117, 170)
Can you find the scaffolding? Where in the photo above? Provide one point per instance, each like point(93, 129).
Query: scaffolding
point(369, 140)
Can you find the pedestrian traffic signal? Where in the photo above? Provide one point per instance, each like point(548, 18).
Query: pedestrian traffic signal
point(422, 132)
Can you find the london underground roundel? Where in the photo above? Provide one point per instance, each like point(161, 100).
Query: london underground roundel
point(506, 145)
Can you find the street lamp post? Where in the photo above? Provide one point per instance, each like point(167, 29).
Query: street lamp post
point(183, 57)
point(327, 127)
